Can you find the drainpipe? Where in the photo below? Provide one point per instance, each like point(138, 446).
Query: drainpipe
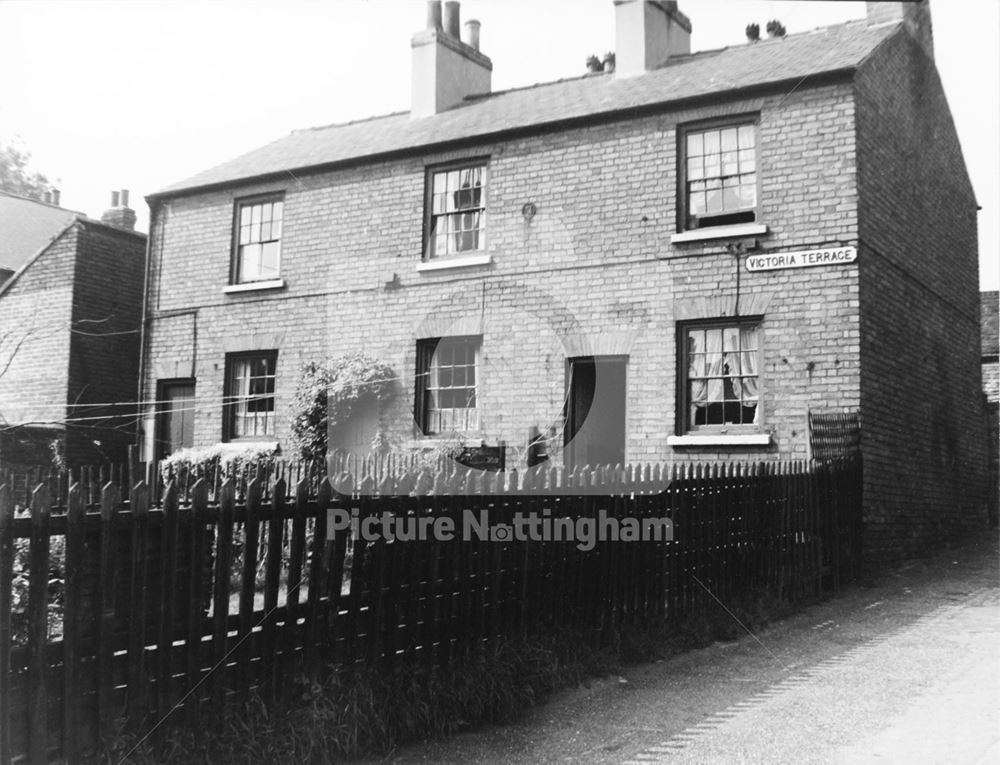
point(140, 407)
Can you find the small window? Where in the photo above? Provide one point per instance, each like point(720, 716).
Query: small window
point(718, 175)
point(720, 376)
point(257, 254)
point(447, 385)
point(249, 396)
point(456, 210)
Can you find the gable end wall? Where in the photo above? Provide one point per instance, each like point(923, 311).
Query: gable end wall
point(923, 423)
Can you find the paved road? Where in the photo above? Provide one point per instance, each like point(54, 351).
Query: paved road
point(904, 670)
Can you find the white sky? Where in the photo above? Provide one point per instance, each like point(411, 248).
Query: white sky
point(109, 94)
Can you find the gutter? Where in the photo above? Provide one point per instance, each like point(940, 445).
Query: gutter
point(540, 128)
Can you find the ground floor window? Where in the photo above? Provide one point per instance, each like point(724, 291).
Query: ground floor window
point(447, 384)
point(720, 378)
point(249, 395)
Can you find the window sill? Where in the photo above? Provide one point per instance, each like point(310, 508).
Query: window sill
point(721, 439)
point(719, 232)
point(270, 284)
point(236, 445)
point(462, 261)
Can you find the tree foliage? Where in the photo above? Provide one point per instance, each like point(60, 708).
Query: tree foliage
point(15, 175)
point(327, 394)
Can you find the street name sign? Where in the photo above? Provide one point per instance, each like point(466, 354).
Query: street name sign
point(802, 259)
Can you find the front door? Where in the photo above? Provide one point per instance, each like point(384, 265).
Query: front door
point(595, 411)
point(175, 429)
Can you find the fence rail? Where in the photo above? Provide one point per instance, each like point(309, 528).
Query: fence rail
point(116, 612)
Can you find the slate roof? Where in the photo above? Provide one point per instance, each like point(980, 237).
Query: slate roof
point(793, 59)
point(989, 307)
point(26, 226)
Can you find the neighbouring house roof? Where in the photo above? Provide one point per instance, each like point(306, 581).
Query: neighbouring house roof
point(989, 306)
point(26, 226)
point(793, 59)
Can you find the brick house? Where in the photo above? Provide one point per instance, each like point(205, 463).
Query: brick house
point(681, 257)
point(70, 313)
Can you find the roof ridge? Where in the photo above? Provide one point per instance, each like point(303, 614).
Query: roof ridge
point(23, 198)
point(358, 121)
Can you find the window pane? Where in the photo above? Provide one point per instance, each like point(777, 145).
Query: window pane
point(731, 339)
point(269, 260)
point(249, 266)
point(747, 139)
point(729, 142)
point(729, 163)
point(711, 142)
point(695, 144)
point(712, 166)
point(695, 169)
point(731, 198)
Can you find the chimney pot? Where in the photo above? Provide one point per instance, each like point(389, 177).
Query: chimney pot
point(124, 198)
point(114, 199)
point(434, 14)
point(472, 27)
point(452, 18)
point(55, 197)
point(47, 197)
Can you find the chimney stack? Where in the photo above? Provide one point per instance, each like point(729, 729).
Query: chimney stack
point(119, 215)
point(915, 15)
point(447, 70)
point(647, 33)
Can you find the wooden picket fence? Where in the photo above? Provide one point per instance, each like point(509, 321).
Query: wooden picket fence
point(167, 612)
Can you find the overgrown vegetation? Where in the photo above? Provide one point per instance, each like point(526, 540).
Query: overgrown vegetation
point(327, 394)
point(16, 176)
point(374, 710)
point(205, 461)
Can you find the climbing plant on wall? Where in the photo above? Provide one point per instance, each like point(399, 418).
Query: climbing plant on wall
point(328, 393)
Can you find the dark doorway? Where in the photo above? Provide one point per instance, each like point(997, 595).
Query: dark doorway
point(595, 410)
point(175, 429)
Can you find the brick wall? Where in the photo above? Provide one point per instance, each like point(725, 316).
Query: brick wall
point(923, 436)
point(592, 272)
point(104, 356)
point(35, 316)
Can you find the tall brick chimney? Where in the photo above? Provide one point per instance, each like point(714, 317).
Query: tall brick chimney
point(119, 215)
point(647, 33)
point(446, 69)
point(915, 15)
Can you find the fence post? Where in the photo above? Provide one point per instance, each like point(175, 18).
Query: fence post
point(6, 581)
point(168, 598)
point(106, 590)
point(194, 520)
point(136, 689)
point(72, 621)
point(38, 623)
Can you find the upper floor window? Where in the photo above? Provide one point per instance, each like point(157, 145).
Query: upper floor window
point(258, 239)
point(720, 375)
point(447, 381)
point(249, 395)
point(719, 175)
point(456, 209)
